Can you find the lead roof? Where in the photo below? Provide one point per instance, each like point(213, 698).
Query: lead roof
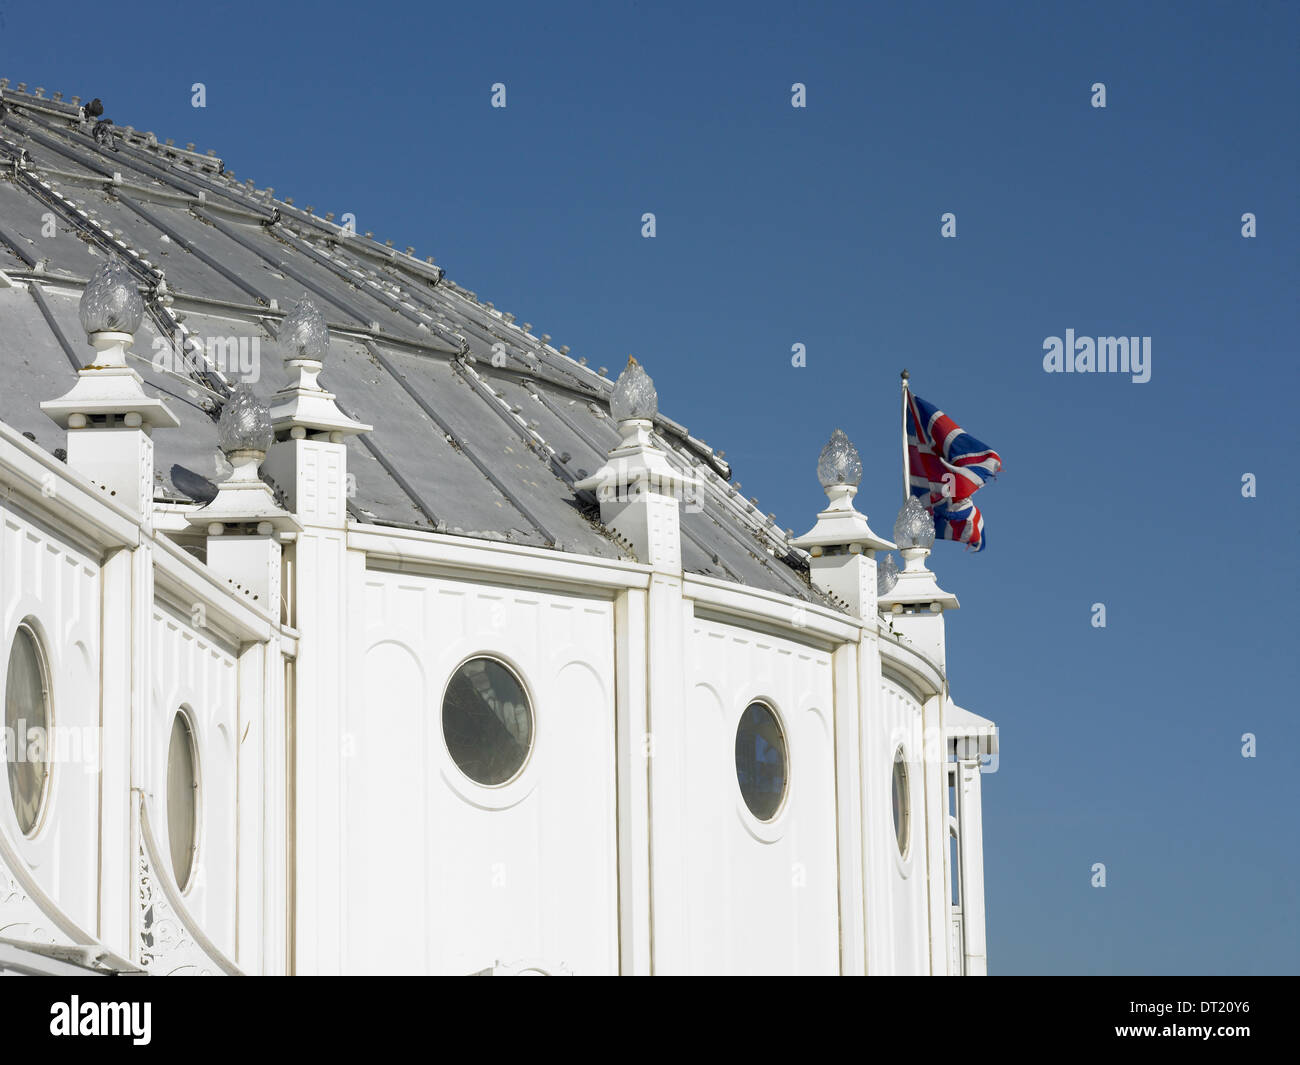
point(462, 443)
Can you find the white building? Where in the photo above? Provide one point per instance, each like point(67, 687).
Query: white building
point(474, 663)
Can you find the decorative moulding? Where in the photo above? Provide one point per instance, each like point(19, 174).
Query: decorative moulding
point(916, 584)
point(109, 387)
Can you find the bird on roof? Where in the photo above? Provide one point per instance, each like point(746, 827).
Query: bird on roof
point(193, 485)
point(95, 108)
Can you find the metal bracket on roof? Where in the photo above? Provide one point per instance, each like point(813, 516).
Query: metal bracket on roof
point(216, 397)
point(16, 155)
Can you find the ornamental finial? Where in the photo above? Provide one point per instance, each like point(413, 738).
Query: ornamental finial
point(303, 333)
point(110, 302)
point(839, 462)
point(886, 575)
point(634, 394)
point(914, 526)
point(245, 423)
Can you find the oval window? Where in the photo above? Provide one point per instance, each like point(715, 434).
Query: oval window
point(487, 721)
point(182, 799)
point(27, 729)
point(902, 811)
point(761, 761)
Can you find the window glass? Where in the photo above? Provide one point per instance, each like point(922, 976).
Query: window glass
point(761, 761)
point(487, 721)
point(182, 799)
point(27, 729)
point(902, 813)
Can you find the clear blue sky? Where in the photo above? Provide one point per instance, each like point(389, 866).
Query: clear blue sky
point(821, 226)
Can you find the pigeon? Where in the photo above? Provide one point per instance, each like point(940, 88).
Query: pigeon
point(193, 485)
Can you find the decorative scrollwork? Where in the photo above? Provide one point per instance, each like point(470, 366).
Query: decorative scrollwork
point(21, 917)
point(166, 947)
point(168, 941)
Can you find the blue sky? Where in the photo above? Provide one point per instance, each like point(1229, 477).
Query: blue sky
point(821, 226)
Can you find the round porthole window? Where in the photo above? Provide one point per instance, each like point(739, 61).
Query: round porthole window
point(27, 729)
point(487, 721)
point(901, 801)
point(182, 799)
point(761, 761)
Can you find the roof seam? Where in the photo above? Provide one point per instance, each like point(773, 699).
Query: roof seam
point(76, 361)
point(468, 452)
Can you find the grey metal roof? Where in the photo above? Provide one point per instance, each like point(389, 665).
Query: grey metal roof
point(461, 445)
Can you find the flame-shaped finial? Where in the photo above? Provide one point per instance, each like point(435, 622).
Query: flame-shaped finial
point(634, 394)
point(914, 526)
point(886, 575)
point(245, 423)
point(303, 333)
point(110, 302)
point(839, 462)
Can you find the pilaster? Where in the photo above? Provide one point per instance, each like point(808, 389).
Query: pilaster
point(631, 619)
point(970, 821)
point(939, 906)
point(848, 801)
point(109, 421)
point(668, 621)
point(116, 865)
point(308, 464)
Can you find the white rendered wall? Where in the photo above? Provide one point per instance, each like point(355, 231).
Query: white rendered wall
point(898, 933)
point(195, 671)
point(759, 897)
point(444, 875)
point(432, 872)
point(55, 588)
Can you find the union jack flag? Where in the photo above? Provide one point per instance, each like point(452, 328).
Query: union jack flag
point(945, 467)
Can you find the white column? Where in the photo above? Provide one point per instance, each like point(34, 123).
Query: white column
point(971, 855)
point(313, 474)
point(275, 834)
point(631, 619)
point(939, 904)
point(116, 857)
point(848, 801)
point(255, 562)
point(876, 911)
point(116, 457)
point(248, 832)
point(667, 625)
point(145, 776)
point(640, 495)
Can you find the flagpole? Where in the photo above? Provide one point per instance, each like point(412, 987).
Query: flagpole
point(907, 480)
